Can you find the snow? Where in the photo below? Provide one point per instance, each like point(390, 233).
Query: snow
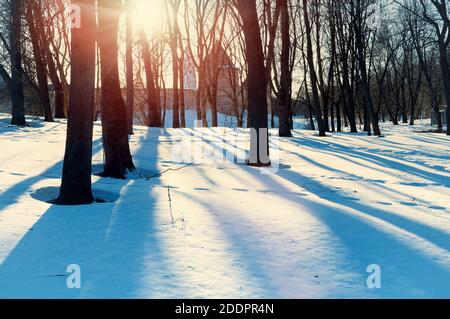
point(307, 230)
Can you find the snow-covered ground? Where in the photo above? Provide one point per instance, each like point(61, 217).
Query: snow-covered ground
point(335, 206)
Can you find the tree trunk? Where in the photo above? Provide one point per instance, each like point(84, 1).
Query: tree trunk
point(118, 158)
point(60, 105)
point(257, 84)
point(339, 116)
point(39, 54)
point(182, 89)
point(60, 101)
point(129, 68)
point(212, 97)
point(286, 76)
point(365, 86)
point(76, 186)
point(152, 93)
point(312, 72)
point(17, 94)
point(445, 68)
point(176, 95)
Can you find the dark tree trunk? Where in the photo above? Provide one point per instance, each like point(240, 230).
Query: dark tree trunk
point(370, 111)
point(76, 188)
point(438, 117)
point(339, 116)
point(212, 97)
point(182, 91)
point(412, 116)
point(349, 108)
point(17, 95)
point(198, 103)
point(312, 72)
point(311, 118)
point(445, 68)
point(129, 70)
point(361, 57)
point(60, 100)
point(154, 117)
point(333, 124)
point(39, 54)
point(118, 158)
point(286, 76)
point(257, 85)
point(175, 72)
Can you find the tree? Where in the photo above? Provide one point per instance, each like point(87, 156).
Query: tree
point(257, 84)
point(207, 18)
point(39, 57)
point(312, 70)
point(76, 187)
point(360, 15)
point(118, 159)
point(421, 40)
point(286, 75)
point(441, 24)
point(173, 43)
point(129, 67)
point(16, 87)
point(154, 113)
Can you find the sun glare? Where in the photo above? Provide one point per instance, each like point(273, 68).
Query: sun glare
point(149, 15)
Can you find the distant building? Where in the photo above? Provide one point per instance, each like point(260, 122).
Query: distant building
point(229, 93)
point(228, 82)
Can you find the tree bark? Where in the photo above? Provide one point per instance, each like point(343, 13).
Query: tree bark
point(118, 159)
point(445, 68)
point(257, 84)
point(17, 94)
point(286, 76)
point(76, 187)
point(363, 70)
point(312, 72)
point(154, 117)
point(39, 54)
point(129, 68)
point(182, 90)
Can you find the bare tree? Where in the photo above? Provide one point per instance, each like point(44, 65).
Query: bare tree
point(76, 184)
point(118, 159)
point(257, 84)
point(17, 94)
point(129, 65)
point(286, 74)
point(35, 28)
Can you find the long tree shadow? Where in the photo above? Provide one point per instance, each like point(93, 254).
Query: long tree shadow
point(374, 158)
point(411, 148)
point(10, 196)
point(408, 271)
point(116, 245)
point(243, 250)
point(380, 185)
point(439, 238)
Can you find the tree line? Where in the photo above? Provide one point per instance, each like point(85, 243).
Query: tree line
point(343, 64)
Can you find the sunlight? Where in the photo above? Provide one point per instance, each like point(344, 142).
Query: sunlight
point(149, 15)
